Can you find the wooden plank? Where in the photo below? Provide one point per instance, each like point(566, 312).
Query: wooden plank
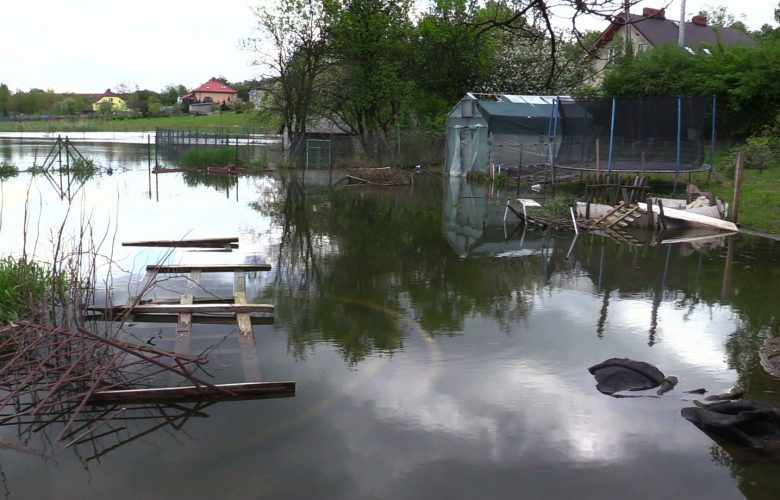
point(692, 239)
point(191, 308)
point(688, 216)
point(207, 268)
point(239, 296)
point(184, 323)
point(246, 338)
point(183, 394)
point(625, 215)
point(195, 300)
point(196, 319)
point(198, 243)
point(617, 208)
point(146, 283)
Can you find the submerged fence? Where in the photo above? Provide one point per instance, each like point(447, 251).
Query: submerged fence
point(404, 148)
point(308, 151)
point(249, 145)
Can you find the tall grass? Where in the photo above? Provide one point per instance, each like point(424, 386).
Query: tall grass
point(225, 119)
point(29, 290)
point(52, 289)
point(211, 157)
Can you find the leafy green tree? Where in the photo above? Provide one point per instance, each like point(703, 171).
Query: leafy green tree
point(449, 58)
point(720, 17)
point(295, 30)
point(66, 107)
point(5, 99)
point(140, 99)
point(171, 93)
point(370, 89)
point(153, 105)
point(34, 102)
point(105, 110)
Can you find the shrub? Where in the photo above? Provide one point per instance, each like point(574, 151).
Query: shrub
point(8, 170)
point(83, 168)
point(501, 180)
point(556, 208)
point(476, 177)
point(761, 152)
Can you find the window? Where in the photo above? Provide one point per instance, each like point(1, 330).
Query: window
point(643, 47)
point(611, 54)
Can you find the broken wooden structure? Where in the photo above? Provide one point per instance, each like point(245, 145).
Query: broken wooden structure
point(81, 383)
point(613, 189)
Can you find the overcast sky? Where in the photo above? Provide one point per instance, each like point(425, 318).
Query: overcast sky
point(90, 45)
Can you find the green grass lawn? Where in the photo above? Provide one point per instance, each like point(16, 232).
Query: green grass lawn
point(759, 206)
point(226, 119)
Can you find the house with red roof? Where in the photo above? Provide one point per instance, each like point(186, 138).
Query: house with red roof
point(213, 91)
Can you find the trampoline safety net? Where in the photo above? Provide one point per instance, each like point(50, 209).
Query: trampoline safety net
point(671, 134)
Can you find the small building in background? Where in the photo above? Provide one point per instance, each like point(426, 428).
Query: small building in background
point(213, 91)
point(115, 100)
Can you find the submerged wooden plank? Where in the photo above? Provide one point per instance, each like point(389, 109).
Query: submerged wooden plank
point(195, 300)
point(207, 268)
point(196, 319)
point(247, 390)
point(191, 308)
point(246, 339)
point(239, 297)
point(197, 243)
point(184, 323)
point(146, 283)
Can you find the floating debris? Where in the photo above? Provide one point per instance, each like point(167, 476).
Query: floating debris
point(747, 422)
point(623, 374)
point(667, 385)
point(736, 392)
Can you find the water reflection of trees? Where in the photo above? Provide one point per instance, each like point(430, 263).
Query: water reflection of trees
point(350, 261)
point(343, 248)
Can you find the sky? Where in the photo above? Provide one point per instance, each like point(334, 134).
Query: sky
point(87, 46)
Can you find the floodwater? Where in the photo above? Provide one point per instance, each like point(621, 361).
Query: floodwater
point(438, 352)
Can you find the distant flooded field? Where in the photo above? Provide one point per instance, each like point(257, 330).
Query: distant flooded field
point(439, 352)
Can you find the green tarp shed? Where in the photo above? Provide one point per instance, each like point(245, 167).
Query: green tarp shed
point(502, 130)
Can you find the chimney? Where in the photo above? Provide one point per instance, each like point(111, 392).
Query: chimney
point(699, 20)
point(654, 13)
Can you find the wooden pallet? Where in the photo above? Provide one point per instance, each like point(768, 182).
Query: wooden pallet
point(189, 310)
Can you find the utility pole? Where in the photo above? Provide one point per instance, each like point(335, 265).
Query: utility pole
point(627, 25)
point(681, 27)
